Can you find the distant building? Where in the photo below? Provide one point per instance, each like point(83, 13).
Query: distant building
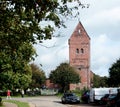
point(79, 56)
point(51, 85)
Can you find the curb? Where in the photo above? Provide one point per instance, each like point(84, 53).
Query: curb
point(7, 104)
point(32, 105)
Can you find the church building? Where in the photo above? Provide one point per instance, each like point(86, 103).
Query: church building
point(79, 56)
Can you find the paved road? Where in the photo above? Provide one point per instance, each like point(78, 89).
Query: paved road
point(50, 101)
point(43, 101)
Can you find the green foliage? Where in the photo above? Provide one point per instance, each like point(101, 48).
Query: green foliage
point(15, 71)
point(20, 19)
point(38, 76)
point(78, 92)
point(64, 75)
point(18, 103)
point(16, 60)
point(114, 74)
point(11, 80)
point(99, 81)
point(20, 28)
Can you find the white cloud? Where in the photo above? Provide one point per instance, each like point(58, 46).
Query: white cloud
point(47, 59)
point(63, 51)
point(109, 17)
point(104, 52)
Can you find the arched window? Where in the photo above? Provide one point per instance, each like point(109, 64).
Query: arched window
point(77, 50)
point(82, 50)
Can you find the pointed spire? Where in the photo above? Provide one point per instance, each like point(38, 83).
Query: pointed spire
point(80, 30)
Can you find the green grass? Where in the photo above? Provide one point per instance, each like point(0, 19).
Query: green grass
point(18, 103)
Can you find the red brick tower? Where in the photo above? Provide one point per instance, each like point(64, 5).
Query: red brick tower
point(79, 54)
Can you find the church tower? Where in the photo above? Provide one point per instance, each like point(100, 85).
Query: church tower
point(79, 54)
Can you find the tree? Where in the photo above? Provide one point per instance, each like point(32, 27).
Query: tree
point(114, 74)
point(99, 81)
point(20, 28)
point(38, 76)
point(21, 20)
point(12, 80)
point(63, 75)
point(15, 71)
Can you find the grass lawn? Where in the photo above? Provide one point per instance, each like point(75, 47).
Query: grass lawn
point(18, 103)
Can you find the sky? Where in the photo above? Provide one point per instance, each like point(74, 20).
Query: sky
point(102, 23)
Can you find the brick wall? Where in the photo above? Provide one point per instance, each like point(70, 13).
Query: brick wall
point(79, 54)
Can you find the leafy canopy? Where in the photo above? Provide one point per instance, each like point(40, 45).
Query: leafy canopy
point(38, 76)
point(99, 81)
point(64, 74)
point(20, 23)
point(114, 74)
point(20, 19)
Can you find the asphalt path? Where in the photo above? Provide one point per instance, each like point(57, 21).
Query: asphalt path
point(43, 101)
point(50, 101)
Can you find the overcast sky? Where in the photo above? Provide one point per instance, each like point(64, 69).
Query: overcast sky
point(102, 23)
